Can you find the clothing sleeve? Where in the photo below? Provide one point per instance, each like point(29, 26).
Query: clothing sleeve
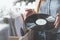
point(58, 10)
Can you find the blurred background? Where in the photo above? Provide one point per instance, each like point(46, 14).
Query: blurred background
point(9, 10)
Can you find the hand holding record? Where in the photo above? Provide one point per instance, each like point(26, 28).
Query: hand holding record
point(57, 20)
point(29, 12)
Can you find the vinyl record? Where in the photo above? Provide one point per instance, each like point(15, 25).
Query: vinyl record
point(39, 22)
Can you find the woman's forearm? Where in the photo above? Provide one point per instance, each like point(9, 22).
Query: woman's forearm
point(38, 3)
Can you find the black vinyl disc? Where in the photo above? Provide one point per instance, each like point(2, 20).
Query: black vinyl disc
point(34, 17)
point(32, 22)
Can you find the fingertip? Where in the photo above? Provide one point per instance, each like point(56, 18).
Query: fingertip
point(55, 26)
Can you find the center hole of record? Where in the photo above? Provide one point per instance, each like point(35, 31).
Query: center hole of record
point(41, 21)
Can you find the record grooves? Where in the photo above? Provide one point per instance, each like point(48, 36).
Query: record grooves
point(34, 17)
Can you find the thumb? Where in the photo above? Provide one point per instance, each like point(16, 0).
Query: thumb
point(56, 25)
point(56, 22)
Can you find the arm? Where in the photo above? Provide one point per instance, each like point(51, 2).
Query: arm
point(38, 3)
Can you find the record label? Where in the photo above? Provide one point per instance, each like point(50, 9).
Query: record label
point(41, 21)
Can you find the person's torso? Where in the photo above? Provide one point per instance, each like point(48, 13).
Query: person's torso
point(49, 7)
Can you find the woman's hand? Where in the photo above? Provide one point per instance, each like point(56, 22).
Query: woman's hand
point(28, 13)
point(57, 21)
